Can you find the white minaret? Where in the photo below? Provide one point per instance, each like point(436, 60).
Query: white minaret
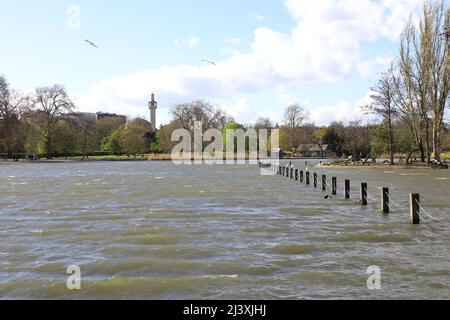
point(153, 105)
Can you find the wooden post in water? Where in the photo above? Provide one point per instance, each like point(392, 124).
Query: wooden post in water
point(324, 183)
point(296, 174)
point(347, 189)
point(307, 178)
point(364, 194)
point(292, 173)
point(414, 203)
point(315, 180)
point(301, 176)
point(385, 200)
point(334, 186)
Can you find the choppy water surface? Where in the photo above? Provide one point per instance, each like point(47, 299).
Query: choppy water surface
point(159, 231)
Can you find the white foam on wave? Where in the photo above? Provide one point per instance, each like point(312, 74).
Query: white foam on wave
point(227, 276)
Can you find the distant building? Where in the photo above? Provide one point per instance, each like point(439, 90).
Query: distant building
point(102, 115)
point(315, 151)
point(86, 115)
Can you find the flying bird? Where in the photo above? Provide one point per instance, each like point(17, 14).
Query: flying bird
point(210, 62)
point(447, 32)
point(91, 43)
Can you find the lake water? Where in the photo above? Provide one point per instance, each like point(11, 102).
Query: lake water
point(153, 230)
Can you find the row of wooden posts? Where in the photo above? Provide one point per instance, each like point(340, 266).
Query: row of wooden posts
point(305, 177)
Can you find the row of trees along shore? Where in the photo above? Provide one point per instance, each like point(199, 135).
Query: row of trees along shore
point(410, 101)
point(415, 89)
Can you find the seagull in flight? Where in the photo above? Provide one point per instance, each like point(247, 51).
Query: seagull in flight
point(210, 62)
point(91, 43)
point(447, 32)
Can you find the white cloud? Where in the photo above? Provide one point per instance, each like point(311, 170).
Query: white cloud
point(384, 61)
point(258, 17)
point(240, 111)
point(233, 41)
point(286, 99)
point(229, 51)
point(344, 111)
point(191, 42)
point(323, 47)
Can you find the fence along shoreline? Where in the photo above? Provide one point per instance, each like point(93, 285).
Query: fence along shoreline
point(292, 173)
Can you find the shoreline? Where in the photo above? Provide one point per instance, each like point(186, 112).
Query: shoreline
point(382, 166)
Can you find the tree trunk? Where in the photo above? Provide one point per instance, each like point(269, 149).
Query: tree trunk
point(391, 141)
point(48, 146)
point(427, 142)
point(436, 143)
point(422, 152)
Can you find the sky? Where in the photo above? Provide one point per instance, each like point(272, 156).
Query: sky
point(267, 54)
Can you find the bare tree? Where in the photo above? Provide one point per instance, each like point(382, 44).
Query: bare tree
point(51, 104)
point(11, 106)
point(263, 123)
point(412, 87)
point(423, 84)
point(357, 139)
point(383, 104)
point(85, 125)
point(294, 117)
point(439, 87)
point(211, 116)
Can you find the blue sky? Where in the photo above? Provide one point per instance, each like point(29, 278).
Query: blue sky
point(323, 54)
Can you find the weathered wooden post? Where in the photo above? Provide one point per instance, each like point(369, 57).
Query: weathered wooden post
point(301, 176)
point(385, 200)
point(307, 178)
point(292, 173)
point(324, 183)
point(315, 180)
point(414, 203)
point(364, 194)
point(296, 174)
point(334, 186)
point(347, 189)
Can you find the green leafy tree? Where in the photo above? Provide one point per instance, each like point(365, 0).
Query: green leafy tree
point(66, 138)
point(232, 126)
point(111, 143)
